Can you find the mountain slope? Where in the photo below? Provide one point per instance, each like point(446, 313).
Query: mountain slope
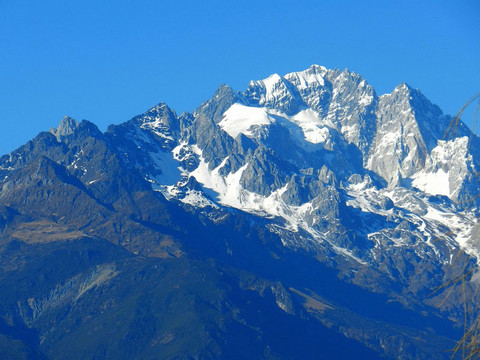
point(305, 215)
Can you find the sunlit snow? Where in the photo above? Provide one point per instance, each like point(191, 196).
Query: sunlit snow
point(433, 183)
point(312, 126)
point(239, 119)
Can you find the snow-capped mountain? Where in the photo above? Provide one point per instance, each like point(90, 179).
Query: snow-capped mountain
point(378, 189)
point(319, 153)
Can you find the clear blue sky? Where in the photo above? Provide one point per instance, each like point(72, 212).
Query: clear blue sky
point(107, 61)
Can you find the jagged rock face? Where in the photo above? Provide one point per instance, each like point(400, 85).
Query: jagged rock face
point(337, 167)
point(399, 149)
point(66, 127)
point(314, 87)
point(294, 193)
point(275, 92)
point(263, 151)
point(408, 129)
point(343, 100)
point(352, 107)
point(447, 169)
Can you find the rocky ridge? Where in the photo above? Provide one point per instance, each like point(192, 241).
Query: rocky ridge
point(298, 192)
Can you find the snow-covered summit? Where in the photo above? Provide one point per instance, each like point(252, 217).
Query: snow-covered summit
point(314, 161)
point(308, 78)
point(327, 162)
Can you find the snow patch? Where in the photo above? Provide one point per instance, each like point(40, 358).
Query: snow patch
point(436, 183)
point(312, 126)
point(240, 119)
point(197, 199)
point(451, 155)
point(229, 191)
point(270, 85)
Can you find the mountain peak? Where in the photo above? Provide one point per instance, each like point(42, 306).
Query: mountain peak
point(404, 88)
point(417, 99)
point(161, 106)
point(66, 127)
point(223, 90)
point(268, 83)
point(158, 111)
point(313, 76)
point(274, 91)
point(316, 67)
